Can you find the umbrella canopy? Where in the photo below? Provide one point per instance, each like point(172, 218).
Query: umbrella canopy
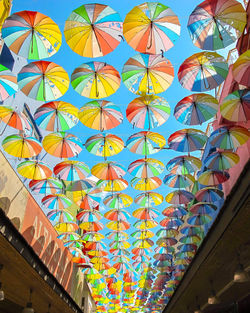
point(22, 147)
point(145, 224)
point(190, 230)
point(209, 194)
point(203, 208)
point(66, 227)
point(14, 119)
point(117, 215)
point(71, 170)
point(142, 234)
point(241, 69)
point(187, 140)
point(118, 225)
point(146, 213)
point(91, 227)
point(147, 74)
point(46, 186)
point(93, 30)
point(88, 216)
point(31, 35)
point(101, 115)
point(178, 181)
point(112, 185)
point(145, 184)
point(95, 80)
point(216, 24)
point(236, 106)
point(119, 200)
point(179, 197)
point(56, 202)
point(174, 211)
point(34, 170)
point(92, 236)
point(196, 109)
point(221, 160)
point(151, 28)
point(87, 199)
point(213, 177)
point(8, 83)
point(145, 168)
point(117, 235)
point(62, 145)
point(203, 71)
point(61, 216)
point(171, 222)
point(149, 198)
point(183, 165)
point(79, 185)
point(148, 112)
point(43, 80)
point(108, 170)
point(199, 219)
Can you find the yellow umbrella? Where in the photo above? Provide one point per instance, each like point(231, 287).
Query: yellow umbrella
point(34, 170)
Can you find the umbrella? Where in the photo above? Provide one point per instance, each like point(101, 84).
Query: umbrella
point(216, 24)
point(34, 170)
point(236, 106)
point(143, 243)
point(117, 215)
point(190, 239)
point(184, 164)
point(22, 147)
point(117, 235)
point(104, 145)
point(112, 185)
point(56, 116)
point(190, 231)
point(147, 74)
point(14, 119)
point(119, 200)
point(203, 71)
point(119, 244)
point(203, 208)
point(69, 237)
point(142, 234)
point(56, 202)
point(148, 198)
point(95, 80)
point(93, 30)
point(209, 194)
point(179, 197)
point(145, 224)
point(118, 225)
point(171, 222)
point(167, 241)
point(100, 114)
point(8, 83)
point(88, 216)
point(81, 185)
point(71, 170)
point(145, 184)
point(221, 160)
point(145, 168)
point(87, 199)
point(43, 80)
point(31, 35)
point(66, 227)
point(174, 211)
point(91, 226)
point(151, 28)
point(199, 219)
point(146, 213)
point(241, 69)
point(178, 181)
point(229, 137)
point(108, 170)
point(145, 143)
point(60, 216)
point(62, 145)
point(213, 177)
point(148, 112)
point(92, 236)
point(196, 109)
point(46, 186)
point(187, 140)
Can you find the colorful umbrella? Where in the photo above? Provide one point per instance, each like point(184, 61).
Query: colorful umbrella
point(66, 227)
point(190, 230)
point(34, 170)
point(147, 74)
point(178, 181)
point(118, 225)
point(56, 116)
point(104, 145)
point(22, 147)
point(43, 80)
point(119, 200)
point(145, 168)
point(69, 237)
point(60, 216)
point(92, 236)
point(221, 160)
point(91, 227)
point(183, 165)
point(241, 69)
point(143, 243)
point(148, 112)
point(171, 222)
point(196, 109)
point(56, 202)
point(216, 24)
point(203, 71)
point(148, 198)
point(151, 28)
point(14, 119)
point(213, 178)
point(81, 185)
point(8, 83)
point(203, 208)
point(236, 106)
point(209, 194)
point(145, 184)
point(117, 235)
point(187, 140)
point(199, 219)
point(146, 213)
point(95, 80)
point(93, 30)
point(112, 185)
point(100, 114)
point(179, 197)
point(117, 215)
point(166, 241)
point(145, 143)
point(32, 35)
point(108, 170)
point(142, 234)
point(46, 186)
point(88, 216)
point(174, 211)
point(71, 170)
point(145, 224)
point(190, 239)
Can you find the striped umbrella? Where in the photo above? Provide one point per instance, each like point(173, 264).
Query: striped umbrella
point(71, 170)
point(117, 215)
point(179, 197)
point(81, 185)
point(199, 219)
point(14, 119)
point(145, 168)
point(91, 227)
point(203, 208)
point(175, 211)
point(114, 185)
point(118, 225)
point(190, 230)
point(187, 140)
point(66, 227)
point(60, 216)
point(213, 177)
point(178, 181)
point(108, 170)
point(88, 216)
point(146, 213)
point(118, 200)
point(46, 186)
point(145, 224)
point(34, 170)
point(87, 199)
point(209, 194)
point(145, 184)
point(56, 202)
point(117, 235)
point(221, 160)
point(183, 165)
point(148, 198)
point(8, 83)
point(171, 222)
point(143, 234)
point(241, 69)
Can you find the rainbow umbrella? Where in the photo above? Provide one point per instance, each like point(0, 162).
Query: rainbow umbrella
point(56, 116)
point(203, 208)
point(22, 147)
point(119, 252)
point(34, 170)
point(43, 80)
point(71, 170)
point(104, 145)
point(213, 178)
point(167, 241)
point(190, 230)
point(241, 69)
point(146, 213)
point(187, 140)
point(143, 243)
point(97, 253)
point(14, 119)
point(32, 35)
point(216, 24)
point(87, 199)
point(167, 232)
point(8, 83)
point(95, 80)
point(117, 235)
point(92, 236)
point(118, 225)
point(69, 236)
point(190, 239)
point(145, 143)
point(119, 245)
point(81, 185)
point(91, 226)
point(196, 109)
point(119, 200)
point(147, 74)
point(199, 219)
point(46, 186)
point(148, 112)
point(209, 194)
point(88, 216)
point(178, 181)
point(221, 160)
point(151, 28)
point(100, 114)
point(229, 137)
point(179, 197)
point(236, 106)
point(145, 184)
point(184, 164)
point(203, 71)
point(148, 198)
point(143, 234)
point(60, 216)
point(56, 202)
point(174, 211)
point(108, 170)
point(93, 30)
point(95, 246)
point(187, 247)
point(145, 168)
point(171, 222)
point(145, 224)
point(112, 185)
point(117, 215)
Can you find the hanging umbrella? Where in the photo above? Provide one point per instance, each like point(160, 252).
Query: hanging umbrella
point(145, 184)
point(183, 165)
point(117, 235)
point(119, 200)
point(146, 213)
point(34, 170)
point(191, 230)
point(66, 227)
point(145, 168)
point(87, 199)
point(93, 30)
point(143, 243)
point(88, 216)
point(95, 246)
point(148, 112)
point(166, 241)
point(22, 147)
point(56, 116)
point(236, 106)
point(145, 224)
point(14, 119)
point(147, 74)
point(60, 216)
point(117, 215)
point(171, 222)
point(151, 28)
point(190, 239)
point(179, 197)
point(178, 181)
point(145, 143)
point(92, 236)
point(91, 226)
point(229, 137)
point(69, 237)
point(31, 35)
point(108, 170)
point(95, 80)
point(43, 80)
point(148, 198)
point(241, 69)
point(216, 24)
point(56, 202)
point(187, 140)
point(196, 109)
point(104, 145)
point(71, 170)
point(118, 225)
point(199, 219)
point(174, 211)
point(101, 115)
point(81, 185)
point(203, 208)
point(213, 178)
point(119, 244)
point(46, 186)
point(143, 234)
point(209, 194)
point(114, 185)
point(221, 160)
point(203, 71)
point(8, 83)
